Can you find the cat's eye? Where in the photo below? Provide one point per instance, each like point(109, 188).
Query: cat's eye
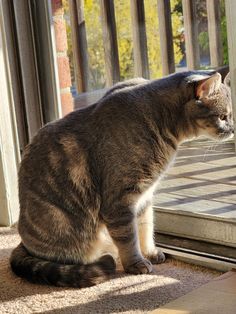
point(223, 117)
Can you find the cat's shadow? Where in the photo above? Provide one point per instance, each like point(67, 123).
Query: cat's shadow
point(13, 288)
point(143, 301)
point(120, 294)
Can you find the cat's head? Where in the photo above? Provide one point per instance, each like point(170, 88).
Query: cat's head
point(211, 110)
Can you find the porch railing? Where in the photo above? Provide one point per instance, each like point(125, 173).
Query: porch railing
point(140, 51)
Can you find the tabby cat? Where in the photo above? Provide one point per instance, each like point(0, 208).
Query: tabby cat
point(86, 181)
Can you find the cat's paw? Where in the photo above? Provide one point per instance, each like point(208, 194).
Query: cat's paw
point(157, 257)
point(143, 266)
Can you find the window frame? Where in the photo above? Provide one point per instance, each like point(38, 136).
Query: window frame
point(29, 89)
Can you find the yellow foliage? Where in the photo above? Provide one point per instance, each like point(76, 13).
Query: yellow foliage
point(153, 40)
point(95, 44)
point(177, 28)
point(124, 37)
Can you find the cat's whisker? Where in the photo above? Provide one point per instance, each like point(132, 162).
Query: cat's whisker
point(213, 147)
point(209, 149)
point(216, 143)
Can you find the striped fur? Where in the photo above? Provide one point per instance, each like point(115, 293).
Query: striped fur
point(37, 270)
point(86, 181)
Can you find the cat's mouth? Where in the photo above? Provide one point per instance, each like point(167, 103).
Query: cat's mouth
point(218, 135)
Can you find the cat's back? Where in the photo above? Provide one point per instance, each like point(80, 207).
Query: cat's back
point(55, 149)
point(54, 132)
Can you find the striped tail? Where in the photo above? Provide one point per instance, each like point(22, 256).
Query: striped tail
point(40, 271)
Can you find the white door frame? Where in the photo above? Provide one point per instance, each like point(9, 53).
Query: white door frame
point(29, 80)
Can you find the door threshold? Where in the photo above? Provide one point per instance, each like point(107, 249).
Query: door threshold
point(206, 228)
point(205, 254)
point(199, 260)
point(219, 257)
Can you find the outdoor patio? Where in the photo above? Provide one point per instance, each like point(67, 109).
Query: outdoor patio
point(195, 205)
point(202, 180)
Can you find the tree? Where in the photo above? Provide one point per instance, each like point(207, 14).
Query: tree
point(203, 27)
point(124, 36)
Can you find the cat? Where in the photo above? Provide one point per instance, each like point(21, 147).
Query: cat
point(86, 181)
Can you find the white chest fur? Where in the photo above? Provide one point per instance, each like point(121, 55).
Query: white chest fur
point(149, 188)
point(146, 196)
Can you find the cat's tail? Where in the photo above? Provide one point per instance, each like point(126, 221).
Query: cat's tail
point(37, 270)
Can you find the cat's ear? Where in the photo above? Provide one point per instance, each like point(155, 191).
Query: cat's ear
point(208, 86)
point(227, 80)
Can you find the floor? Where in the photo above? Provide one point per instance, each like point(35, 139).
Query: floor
point(121, 294)
point(202, 180)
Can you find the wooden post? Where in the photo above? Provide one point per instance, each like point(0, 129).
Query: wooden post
point(110, 42)
point(166, 37)
point(79, 45)
point(215, 41)
point(191, 34)
point(139, 39)
point(231, 31)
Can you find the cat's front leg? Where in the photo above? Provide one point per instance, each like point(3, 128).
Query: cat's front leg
point(122, 226)
point(146, 236)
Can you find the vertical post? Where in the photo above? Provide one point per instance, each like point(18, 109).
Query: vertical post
point(79, 44)
point(231, 32)
point(110, 42)
point(139, 39)
point(191, 34)
point(166, 37)
point(215, 41)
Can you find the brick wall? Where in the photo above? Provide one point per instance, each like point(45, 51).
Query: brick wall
point(62, 58)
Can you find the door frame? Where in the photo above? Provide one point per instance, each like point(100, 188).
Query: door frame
point(29, 89)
